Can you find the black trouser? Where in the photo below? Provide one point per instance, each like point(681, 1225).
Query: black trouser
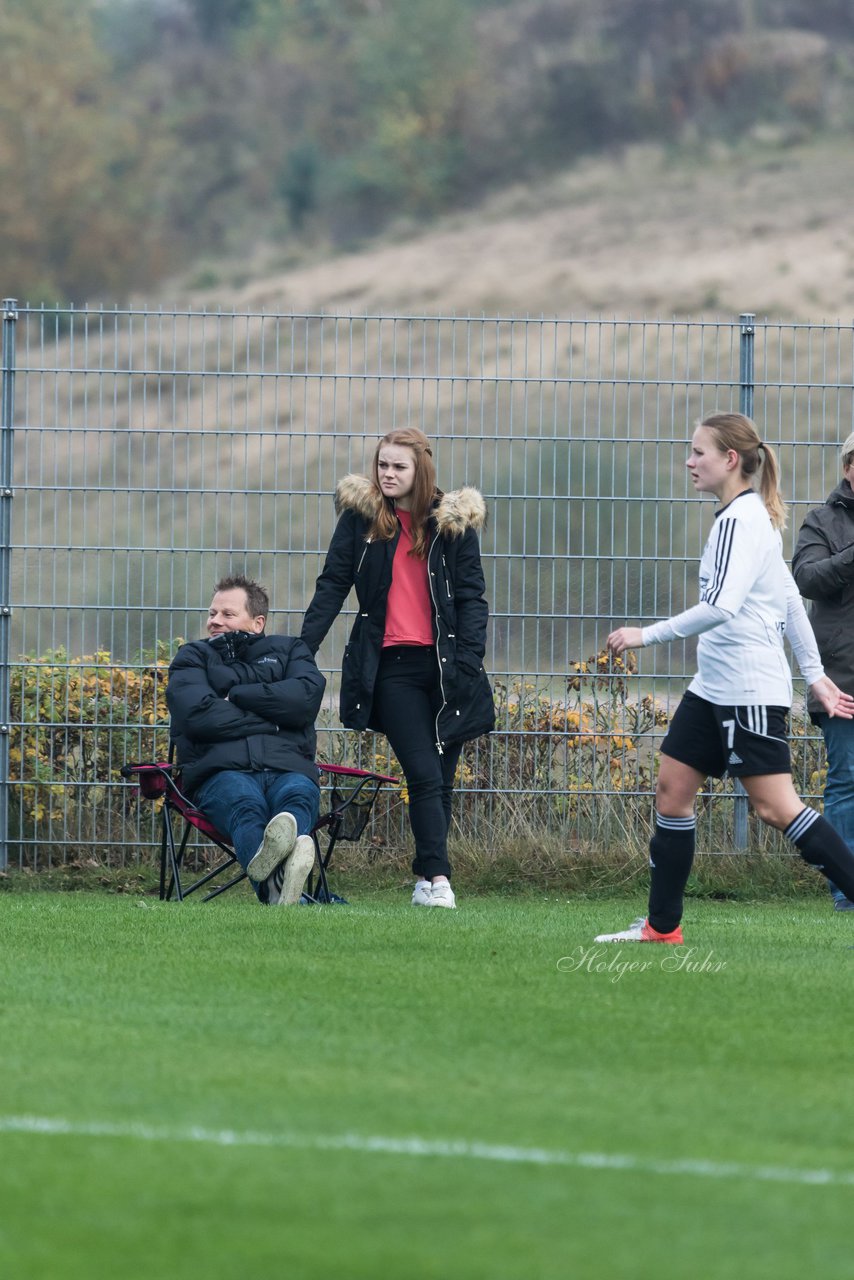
point(407, 699)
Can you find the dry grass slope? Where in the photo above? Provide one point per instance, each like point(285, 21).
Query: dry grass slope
point(766, 228)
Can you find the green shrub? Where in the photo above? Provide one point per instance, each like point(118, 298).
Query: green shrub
point(74, 723)
point(570, 770)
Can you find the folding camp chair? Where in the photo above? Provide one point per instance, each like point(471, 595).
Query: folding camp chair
point(351, 794)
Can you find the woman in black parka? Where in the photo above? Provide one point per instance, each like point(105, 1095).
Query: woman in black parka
point(413, 666)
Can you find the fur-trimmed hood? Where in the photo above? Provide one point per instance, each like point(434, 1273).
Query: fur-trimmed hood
point(456, 596)
point(455, 512)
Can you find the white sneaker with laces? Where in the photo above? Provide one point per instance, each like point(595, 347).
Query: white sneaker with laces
point(280, 835)
point(442, 895)
point(421, 893)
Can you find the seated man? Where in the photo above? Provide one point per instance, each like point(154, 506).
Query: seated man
point(243, 706)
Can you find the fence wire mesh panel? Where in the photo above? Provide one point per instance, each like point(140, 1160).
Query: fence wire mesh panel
point(151, 452)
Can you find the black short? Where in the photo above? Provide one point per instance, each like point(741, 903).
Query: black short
point(744, 742)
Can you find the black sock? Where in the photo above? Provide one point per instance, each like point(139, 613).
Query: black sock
point(671, 854)
point(821, 846)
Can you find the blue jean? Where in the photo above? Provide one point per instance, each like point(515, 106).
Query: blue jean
point(839, 787)
point(241, 804)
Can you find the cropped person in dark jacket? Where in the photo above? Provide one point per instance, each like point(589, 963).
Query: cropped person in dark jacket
point(823, 568)
point(243, 706)
point(413, 666)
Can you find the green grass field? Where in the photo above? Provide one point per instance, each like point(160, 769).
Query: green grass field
point(223, 1091)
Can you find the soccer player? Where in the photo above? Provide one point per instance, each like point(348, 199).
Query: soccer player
point(733, 717)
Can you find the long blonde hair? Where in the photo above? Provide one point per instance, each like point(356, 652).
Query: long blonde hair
point(424, 491)
point(735, 431)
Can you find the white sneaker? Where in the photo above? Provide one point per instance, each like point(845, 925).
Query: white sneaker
point(641, 930)
point(280, 835)
point(442, 895)
point(296, 871)
point(421, 894)
point(632, 934)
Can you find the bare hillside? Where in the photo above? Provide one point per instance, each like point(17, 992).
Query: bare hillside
point(770, 230)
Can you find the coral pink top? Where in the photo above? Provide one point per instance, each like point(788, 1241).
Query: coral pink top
point(408, 615)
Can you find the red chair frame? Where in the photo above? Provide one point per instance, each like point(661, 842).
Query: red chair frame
point(352, 796)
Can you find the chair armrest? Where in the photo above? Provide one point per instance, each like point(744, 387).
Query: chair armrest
point(345, 771)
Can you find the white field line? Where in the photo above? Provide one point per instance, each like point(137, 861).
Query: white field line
point(422, 1147)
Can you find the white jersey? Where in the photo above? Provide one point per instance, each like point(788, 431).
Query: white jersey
point(748, 601)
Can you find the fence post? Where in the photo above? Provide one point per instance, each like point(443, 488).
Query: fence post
point(7, 412)
point(745, 405)
point(746, 374)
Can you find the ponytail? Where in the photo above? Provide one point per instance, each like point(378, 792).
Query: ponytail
point(769, 487)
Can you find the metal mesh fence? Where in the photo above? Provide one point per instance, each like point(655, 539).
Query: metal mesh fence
point(150, 452)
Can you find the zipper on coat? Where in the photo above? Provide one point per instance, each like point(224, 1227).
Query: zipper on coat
point(445, 577)
point(430, 578)
point(364, 553)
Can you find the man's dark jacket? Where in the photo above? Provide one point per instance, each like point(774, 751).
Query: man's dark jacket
point(823, 568)
point(458, 605)
point(247, 702)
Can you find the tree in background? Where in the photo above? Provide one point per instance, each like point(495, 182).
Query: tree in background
point(66, 157)
point(138, 134)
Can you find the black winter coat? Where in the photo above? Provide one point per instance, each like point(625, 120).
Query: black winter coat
point(241, 701)
point(823, 568)
point(459, 607)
